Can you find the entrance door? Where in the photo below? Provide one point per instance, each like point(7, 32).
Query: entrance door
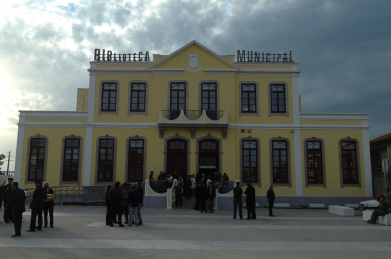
point(177, 157)
point(208, 160)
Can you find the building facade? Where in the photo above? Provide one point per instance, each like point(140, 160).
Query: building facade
point(380, 163)
point(195, 111)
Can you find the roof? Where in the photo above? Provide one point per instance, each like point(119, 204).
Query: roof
point(384, 137)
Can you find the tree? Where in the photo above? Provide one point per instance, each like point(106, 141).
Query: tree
point(2, 157)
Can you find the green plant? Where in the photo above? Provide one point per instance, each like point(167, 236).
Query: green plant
point(2, 157)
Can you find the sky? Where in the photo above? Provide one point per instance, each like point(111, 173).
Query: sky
point(343, 48)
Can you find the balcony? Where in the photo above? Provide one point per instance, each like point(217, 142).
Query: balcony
point(193, 119)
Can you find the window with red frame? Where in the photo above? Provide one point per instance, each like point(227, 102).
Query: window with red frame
point(280, 161)
point(349, 162)
point(36, 159)
point(314, 162)
point(71, 160)
point(138, 97)
point(278, 104)
point(109, 97)
point(249, 104)
point(106, 160)
point(250, 161)
point(136, 160)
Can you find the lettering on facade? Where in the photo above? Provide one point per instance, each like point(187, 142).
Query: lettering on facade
point(255, 56)
point(109, 56)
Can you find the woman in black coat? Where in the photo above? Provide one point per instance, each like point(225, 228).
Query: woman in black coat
point(250, 201)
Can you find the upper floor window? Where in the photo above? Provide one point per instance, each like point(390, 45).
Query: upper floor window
point(250, 161)
point(278, 102)
point(280, 161)
point(109, 97)
point(71, 160)
point(208, 96)
point(314, 162)
point(248, 98)
point(136, 160)
point(349, 162)
point(178, 96)
point(36, 159)
point(138, 95)
point(106, 160)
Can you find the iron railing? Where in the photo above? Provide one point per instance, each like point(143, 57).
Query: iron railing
point(65, 193)
point(160, 186)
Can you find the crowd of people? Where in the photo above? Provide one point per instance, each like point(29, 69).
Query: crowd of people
point(14, 205)
point(124, 199)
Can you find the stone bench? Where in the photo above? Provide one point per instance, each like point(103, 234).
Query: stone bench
point(341, 211)
point(386, 220)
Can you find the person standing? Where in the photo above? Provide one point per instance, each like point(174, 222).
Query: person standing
point(225, 183)
point(203, 179)
point(204, 194)
point(178, 194)
point(238, 192)
point(141, 192)
point(39, 196)
point(212, 195)
point(198, 195)
point(271, 197)
point(7, 196)
point(116, 196)
point(217, 180)
point(125, 203)
point(250, 201)
point(188, 186)
point(17, 203)
point(108, 204)
point(193, 184)
point(48, 206)
point(134, 199)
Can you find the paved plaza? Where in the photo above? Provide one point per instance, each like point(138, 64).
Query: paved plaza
point(80, 231)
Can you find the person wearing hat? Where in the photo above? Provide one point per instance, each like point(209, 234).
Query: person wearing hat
point(7, 196)
point(17, 203)
point(39, 196)
point(382, 211)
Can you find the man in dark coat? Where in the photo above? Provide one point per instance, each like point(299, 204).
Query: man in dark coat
point(134, 199)
point(17, 203)
point(7, 196)
point(178, 194)
point(204, 197)
point(187, 182)
point(39, 196)
point(270, 197)
point(48, 206)
point(203, 179)
point(116, 196)
point(238, 192)
point(141, 192)
point(198, 195)
point(250, 201)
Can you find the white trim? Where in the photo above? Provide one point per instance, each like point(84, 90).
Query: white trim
point(87, 157)
point(220, 70)
point(53, 114)
point(298, 169)
point(267, 75)
point(334, 116)
point(367, 163)
point(194, 42)
point(167, 69)
point(19, 153)
point(125, 74)
point(295, 101)
point(91, 98)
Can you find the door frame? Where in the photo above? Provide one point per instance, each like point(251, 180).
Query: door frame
point(220, 153)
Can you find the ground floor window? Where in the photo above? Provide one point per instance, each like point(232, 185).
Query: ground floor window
point(136, 161)
point(280, 161)
point(349, 162)
point(71, 160)
point(250, 161)
point(106, 160)
point(36, 159)
point(314, 162)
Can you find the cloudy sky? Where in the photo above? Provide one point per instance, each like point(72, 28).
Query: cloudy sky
point(343, 47)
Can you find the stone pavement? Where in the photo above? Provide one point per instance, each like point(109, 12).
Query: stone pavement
point(80, 232)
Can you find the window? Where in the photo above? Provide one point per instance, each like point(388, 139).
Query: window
point(136, 160)
point(280, 161)
point(250, 161)
point(349, 162)
point(314, 162)
point(209, 145)
point(209, 96)
point(178, 96)
point(177, 145)
point(106, 160)
point(378, 161)
point(138, 97)
point(71, 160)
point(249, 98)
point(36, 159)
point(109, 97)
point(278, 104)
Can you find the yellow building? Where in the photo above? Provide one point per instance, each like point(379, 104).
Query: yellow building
point(195, 111)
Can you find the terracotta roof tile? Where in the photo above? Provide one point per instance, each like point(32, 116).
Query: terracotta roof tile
point(384, 137)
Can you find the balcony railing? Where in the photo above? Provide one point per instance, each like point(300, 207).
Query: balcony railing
point(193, 116)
